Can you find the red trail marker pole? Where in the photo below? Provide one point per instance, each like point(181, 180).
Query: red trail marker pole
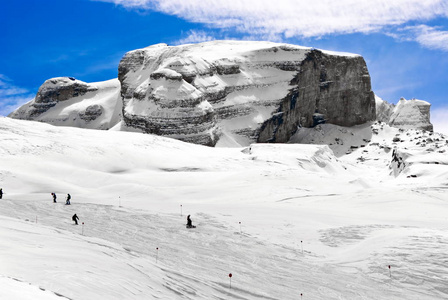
point(301, 295)
point(82, 233)
point(230, 276)
point(390, 273)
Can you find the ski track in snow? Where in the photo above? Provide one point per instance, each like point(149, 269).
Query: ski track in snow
point(311, 222)
point(195, 262)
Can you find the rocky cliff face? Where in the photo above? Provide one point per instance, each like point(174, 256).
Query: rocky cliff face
point(240, 92)
point(327, 88)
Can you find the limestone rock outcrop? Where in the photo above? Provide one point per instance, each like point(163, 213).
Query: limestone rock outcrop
point(56, 90)
point(407, 114)
point(67, 101)
point(241, 92)
point(225, 93)
point(328, 88)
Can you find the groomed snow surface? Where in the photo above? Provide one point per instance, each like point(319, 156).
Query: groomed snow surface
point(288, 221)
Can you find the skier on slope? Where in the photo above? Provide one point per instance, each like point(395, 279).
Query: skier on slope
point(54, 197)
point(189, 222)
point(1, 193)
point(67, 202)
point(75, 218)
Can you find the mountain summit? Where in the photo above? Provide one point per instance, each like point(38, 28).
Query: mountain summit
point(225, 93)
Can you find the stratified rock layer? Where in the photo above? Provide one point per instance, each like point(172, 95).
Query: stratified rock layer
point(240, 92)
point(328, 88)
point(225, 93)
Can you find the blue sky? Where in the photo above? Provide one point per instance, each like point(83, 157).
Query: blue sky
point(404, 42)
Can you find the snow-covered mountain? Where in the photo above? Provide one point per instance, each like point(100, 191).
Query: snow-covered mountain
point(220, 92)
point(407, 114)
point(289, 221)
point(225, 93)
point(66, 101)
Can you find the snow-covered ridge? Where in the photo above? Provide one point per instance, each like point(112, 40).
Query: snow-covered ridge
point(257, 91)
point(215, 93)
point(66, 101)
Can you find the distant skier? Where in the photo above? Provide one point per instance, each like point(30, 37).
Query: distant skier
point(75, 219)
point(189, 222)
point(54, 197)
point(1, 193)
point(67, 202)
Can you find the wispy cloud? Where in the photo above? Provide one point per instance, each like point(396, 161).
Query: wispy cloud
point(292, 18)
point(11, 96)
point(431, 37)
point(427, 36)
point(196, 36)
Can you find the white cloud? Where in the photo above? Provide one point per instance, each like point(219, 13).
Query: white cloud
point(431, 38)
point(11, 96)
point(297, 18)
point(427, 36)
point(195, 36)
point(439, 118)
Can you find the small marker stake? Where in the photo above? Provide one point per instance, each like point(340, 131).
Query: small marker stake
point(181, 210)
point(301, 245)
point(301, 295)
point(390, 274)
point(157, 254)
point(241, 232)
point(82, 228)
point(119, 201)
point(230, 276)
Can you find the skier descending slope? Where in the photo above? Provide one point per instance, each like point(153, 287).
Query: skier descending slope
point(75, 218)
point(189, 222)
point(54, 197)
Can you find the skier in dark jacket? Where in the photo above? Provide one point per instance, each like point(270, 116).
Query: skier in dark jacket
point(67, 202)
point(189, 222)
point(1, 193)
point(75, 218)
point(54, 197)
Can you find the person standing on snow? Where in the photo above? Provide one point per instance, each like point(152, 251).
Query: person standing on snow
point(75, 218)
point(189, 222)
point(1, 193)
point(67, 202)
point(54, 197)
